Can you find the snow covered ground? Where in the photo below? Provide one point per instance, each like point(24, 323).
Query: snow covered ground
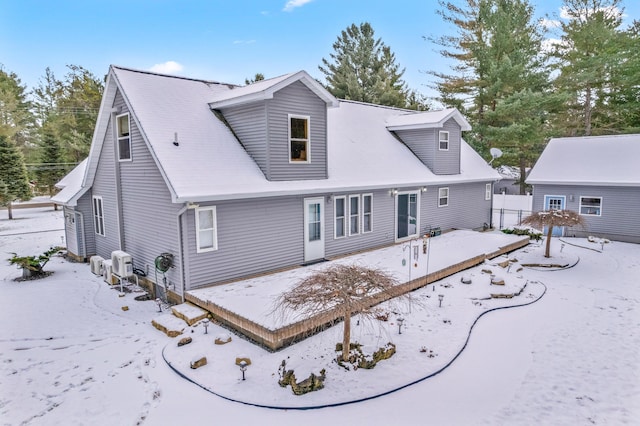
point(70, 355)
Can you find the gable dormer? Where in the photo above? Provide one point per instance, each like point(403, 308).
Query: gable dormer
point(282, 123)
point(435, 137)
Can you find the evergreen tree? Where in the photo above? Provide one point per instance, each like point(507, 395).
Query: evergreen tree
point(499, 79)
point(71, 107)
point(588, 56)
point(622, 100)
point(49, 171)
point(257, 77)
point(17, 122)
point(364, 69)
point(13, 174)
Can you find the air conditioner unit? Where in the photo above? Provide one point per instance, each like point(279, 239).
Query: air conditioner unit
point(96, 265)
point(106, 273)
point(121, 264)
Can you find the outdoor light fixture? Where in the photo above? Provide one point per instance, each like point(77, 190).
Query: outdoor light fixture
point(159, 302)
point(205, 322)
point(440, 297)
point(424, 189)
point(393, 192)
point(400, 321)
point(243, 367)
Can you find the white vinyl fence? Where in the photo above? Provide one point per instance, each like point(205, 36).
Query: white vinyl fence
point(509, 210)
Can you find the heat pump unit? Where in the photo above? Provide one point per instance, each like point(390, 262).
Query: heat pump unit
point(106, 272)
point(121, 264)
point(96, 265)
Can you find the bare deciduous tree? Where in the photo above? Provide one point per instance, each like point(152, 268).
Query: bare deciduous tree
point(551, 218)
point(348, 289)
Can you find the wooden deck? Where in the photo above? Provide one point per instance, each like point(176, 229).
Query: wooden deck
point(279, 338)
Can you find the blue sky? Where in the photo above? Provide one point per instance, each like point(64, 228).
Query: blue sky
point(225, 41)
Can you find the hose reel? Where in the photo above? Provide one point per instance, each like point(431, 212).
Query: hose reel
point(164, 262)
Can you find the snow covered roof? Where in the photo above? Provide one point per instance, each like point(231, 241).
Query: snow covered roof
point(71, 184)
point(265, 89)
point(209, 164)
point(589, 160)
point(426, 120)
point(508, 172)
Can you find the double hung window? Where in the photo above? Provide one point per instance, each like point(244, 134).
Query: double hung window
point(124, 138)
point(340, 209)
point(354, 214)
point(443, 197)
point(443, 140)
point(98, 215)
point(299, 148)
point(206, 229)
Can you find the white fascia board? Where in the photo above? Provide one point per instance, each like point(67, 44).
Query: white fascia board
point(455, 114)
point(268, 92)
point(581, 183)
point(322, 190)
point(414, 126)
point(133, 115)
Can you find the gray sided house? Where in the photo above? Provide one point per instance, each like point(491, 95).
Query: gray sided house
point(596, 176)
point(235, 181)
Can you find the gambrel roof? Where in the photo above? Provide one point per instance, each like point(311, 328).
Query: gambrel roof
point(589, 160)
point(210, 164)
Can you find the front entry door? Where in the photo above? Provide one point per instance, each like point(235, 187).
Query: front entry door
point(313, 229)
point(554, 202)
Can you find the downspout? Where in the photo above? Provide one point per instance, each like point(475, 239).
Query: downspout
point(181, 251)
point(84, 240)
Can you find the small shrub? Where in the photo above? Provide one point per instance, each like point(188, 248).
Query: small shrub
point(33, 265)
point(531, 233)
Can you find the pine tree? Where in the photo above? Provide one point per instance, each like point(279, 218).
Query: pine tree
point(588, 54)
point(17, 121)
point(50, 155)
point(13, 174)
point(499, 79)
point(364, 69)
point(71, 106)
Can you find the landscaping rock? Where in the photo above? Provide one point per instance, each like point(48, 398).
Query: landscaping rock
point(184, 341)
point(222, 339)
point(198, 362)
point(244, 358)
point(125, 308)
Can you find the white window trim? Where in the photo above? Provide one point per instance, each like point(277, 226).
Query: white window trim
point(97, 198)
point(358, 215)
point(370, 195)
point(441, 197)
point(440, 134)
point(118, 138)
point(344, 217)
point(547, 197)
point(214, 230)
point(587, 214)
point(308, 140)
point(487, 191)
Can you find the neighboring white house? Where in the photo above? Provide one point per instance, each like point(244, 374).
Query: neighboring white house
point(230, 181)
point(596, 176)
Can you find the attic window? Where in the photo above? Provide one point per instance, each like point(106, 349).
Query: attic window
point(443, 138)
point(298, 139)
point(124, 140)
